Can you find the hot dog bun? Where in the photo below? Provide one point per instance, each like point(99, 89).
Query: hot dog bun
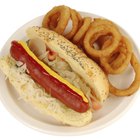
point(31, 92)
point(79, 62)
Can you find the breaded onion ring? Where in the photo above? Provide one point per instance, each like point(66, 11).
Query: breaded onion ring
point(53, 21)
point(101, 43)
point(117, 58)
point(108, 67)
point(121, 56)
point(79, 19)
point(104, 39)
point(64, 15)
point(82, 30)
point(99, 28)
point(75, 21)
point(134, 86)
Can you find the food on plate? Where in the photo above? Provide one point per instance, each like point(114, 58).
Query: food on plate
point(104, 40)
point(77, 60)
point(58, 18)
point(82, 30)
point(101, 40)
point(34, 94)
point(120, 63)
point(135, 84)
point(60, 12)
point(117, 63)
point(66, 81)
point(116, 58)
point(98, 28)
point(48, 79)
point(75, 22)
point(63, 75)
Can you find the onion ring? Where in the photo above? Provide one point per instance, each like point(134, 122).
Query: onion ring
point(116, 58)
point(63, 18)
point(75, 17)
point(134, 86)
point(79, 19)
point(53, 21)
point(82, 30)
point(117, 61)
point(99, 28)
point(75, 21)
point(120, 57)
point(101, 43)
point(108, 67)
point(104, 39)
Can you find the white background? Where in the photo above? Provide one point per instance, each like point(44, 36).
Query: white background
point(14, 13)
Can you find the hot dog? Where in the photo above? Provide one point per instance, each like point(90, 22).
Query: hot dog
point(74, 82)
point(51, 84)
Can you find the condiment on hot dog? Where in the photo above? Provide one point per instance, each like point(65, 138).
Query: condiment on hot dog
point(48, 79)
point(75, 83)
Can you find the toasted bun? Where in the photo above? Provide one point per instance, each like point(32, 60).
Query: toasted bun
point(36, 96)
point(79, 62)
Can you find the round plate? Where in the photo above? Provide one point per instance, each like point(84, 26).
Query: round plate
point(112, 108)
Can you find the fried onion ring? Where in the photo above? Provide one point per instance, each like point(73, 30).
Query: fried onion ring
point(109, 68)
point(82, 30)
point(104, 39)
point(79, 18)
point(75, 21)
point(53, 21)
point(134, 86)
point(116, 58)
point(99, 28)
point(121, 56)
point(64, 15)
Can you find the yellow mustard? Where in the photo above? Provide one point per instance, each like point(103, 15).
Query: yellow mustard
point(51, 72)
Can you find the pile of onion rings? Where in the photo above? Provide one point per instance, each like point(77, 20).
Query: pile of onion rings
point(58, 18)
point(135, 84)
point(100, 39)
point(119, 63)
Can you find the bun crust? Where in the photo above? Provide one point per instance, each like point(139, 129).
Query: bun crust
point(79, 62)
point(32, 93)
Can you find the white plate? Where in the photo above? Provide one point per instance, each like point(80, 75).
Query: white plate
point(111, 110)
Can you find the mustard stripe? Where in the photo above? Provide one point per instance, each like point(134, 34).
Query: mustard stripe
point(51, 72)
